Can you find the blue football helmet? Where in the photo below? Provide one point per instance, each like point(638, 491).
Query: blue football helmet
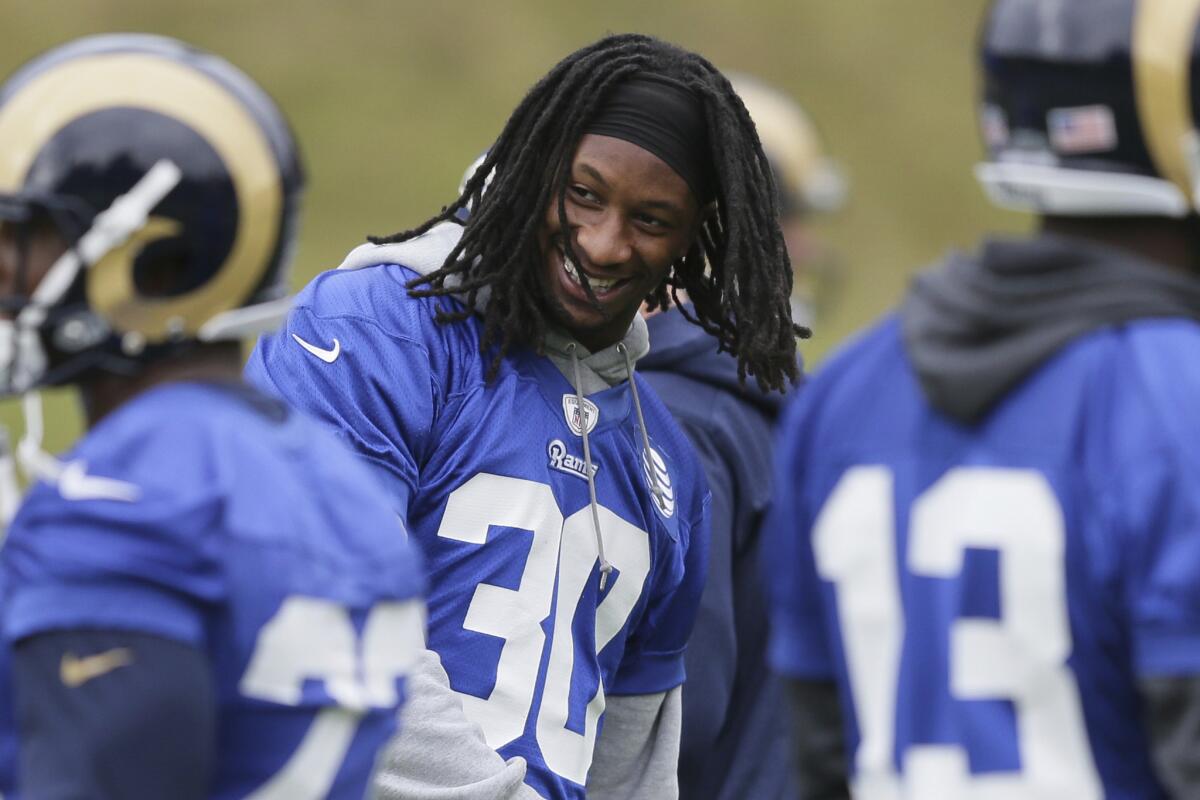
point(173, 179)
point(1089, 106)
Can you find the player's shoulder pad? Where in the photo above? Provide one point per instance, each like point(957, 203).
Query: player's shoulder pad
point(1152, 381)
point(871, 352)
point(423, 254)
point(371, 285)
point(155, 446)
point(680, 454)
point(175, 423)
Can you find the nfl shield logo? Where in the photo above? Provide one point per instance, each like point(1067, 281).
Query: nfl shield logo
point(590, 415)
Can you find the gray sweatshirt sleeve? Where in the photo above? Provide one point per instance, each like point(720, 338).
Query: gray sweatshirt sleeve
point(1173, 719)
point(637, 753)
point(439, 754)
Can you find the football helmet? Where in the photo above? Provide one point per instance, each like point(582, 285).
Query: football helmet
point(1089, 107)
point(173, 180)
point(807, 182)
point(806, 178)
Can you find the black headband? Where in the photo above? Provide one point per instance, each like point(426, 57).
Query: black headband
point(664, 118)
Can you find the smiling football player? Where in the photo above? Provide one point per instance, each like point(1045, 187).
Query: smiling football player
point(486, 369)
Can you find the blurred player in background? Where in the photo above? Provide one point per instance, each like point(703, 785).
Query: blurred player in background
point(486, 369)
point(809, 183)
point(209, 596)
point(735, 742)
point(988, 521)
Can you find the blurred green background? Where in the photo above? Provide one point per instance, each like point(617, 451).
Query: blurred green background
point(391, 100)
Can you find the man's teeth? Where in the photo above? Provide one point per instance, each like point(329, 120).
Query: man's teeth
point(598, 284)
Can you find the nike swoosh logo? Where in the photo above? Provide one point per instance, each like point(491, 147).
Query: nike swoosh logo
point(75, 671)
point(75, 484)
point(328, 356)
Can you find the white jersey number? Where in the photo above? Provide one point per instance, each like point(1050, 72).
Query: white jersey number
point(561, 559)
point(312, 638)
point(1020, 657)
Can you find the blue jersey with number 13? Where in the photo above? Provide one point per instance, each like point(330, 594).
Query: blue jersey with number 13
point(987, 597)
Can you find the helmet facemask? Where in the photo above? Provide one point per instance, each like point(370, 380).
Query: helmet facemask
point(43, 321)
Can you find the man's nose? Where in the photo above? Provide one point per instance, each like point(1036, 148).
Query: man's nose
point(605, 241)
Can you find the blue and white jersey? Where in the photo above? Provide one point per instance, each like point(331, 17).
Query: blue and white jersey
point(211, 515)
point(489, 477)
point(988, 596)
point(8, 724)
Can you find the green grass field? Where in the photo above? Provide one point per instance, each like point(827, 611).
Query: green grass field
point(391, 99)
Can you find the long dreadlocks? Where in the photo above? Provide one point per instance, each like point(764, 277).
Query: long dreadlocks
point(742, 296)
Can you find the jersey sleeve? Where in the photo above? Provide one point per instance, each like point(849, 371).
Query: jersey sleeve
point(712, 651)
point(114, 714)
point(145, 559)
point(1161, 559)
point(798, 644)
point(653, 659)
point(374, 388)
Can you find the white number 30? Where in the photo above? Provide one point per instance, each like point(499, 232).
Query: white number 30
point(1020, 657)
point(561, 559)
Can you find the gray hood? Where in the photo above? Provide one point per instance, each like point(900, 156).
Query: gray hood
point(978, 324)
point(426, 253)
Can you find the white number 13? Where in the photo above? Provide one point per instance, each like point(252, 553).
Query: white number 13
point(1020, 657)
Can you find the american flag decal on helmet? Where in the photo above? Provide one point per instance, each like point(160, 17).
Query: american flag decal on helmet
point(1083, 129)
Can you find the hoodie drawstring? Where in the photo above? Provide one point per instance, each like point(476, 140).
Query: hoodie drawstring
point(605, 567)
point(647, 459)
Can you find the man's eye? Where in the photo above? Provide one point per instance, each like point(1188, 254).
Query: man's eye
point(585, 194)
point(651, 222)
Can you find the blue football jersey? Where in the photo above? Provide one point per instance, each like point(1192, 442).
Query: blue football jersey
point(490, 479)
point(8, 726)
point(988, 596)
point(211, 515)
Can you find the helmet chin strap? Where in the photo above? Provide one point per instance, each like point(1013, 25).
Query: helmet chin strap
point(35, 462)
point(10, 489)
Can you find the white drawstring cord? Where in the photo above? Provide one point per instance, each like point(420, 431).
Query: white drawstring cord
point(605, 567)
point(647, 459)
